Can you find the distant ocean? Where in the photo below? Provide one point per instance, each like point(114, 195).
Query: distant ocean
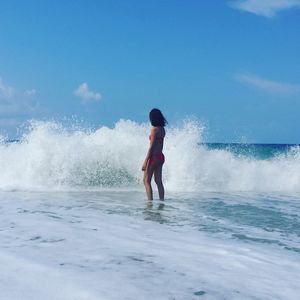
point(75, 222)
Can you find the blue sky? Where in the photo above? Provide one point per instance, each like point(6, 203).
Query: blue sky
point(235, 65)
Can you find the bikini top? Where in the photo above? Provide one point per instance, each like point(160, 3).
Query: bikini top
point(161, 139)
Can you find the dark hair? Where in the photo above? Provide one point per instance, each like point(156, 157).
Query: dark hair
point(157, 118)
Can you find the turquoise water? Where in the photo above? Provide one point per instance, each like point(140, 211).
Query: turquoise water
point(257, 151)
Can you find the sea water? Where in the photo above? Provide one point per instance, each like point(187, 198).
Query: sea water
point(75, 222)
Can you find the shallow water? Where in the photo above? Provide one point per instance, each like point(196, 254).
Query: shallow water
point(113, 244)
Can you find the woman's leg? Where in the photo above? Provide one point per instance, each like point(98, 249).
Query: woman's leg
point(158, 181)
point(147, 180)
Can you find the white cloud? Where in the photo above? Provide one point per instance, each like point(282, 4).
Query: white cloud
point(30, 93)
point(6, 92)
point(15, 107)
point(266, 8)
point(18, 107)
point(85, 94)
point(13, 103)
point(269, 86)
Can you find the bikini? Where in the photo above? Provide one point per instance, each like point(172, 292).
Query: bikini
point(158, 155)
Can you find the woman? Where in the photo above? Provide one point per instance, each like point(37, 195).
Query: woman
point(155, 159)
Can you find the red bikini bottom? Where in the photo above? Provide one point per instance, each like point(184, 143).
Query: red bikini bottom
point(157, 157)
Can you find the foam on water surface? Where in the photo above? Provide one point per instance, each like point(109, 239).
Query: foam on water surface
point(115, 245)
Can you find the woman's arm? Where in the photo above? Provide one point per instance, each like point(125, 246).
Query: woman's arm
point(152, 143)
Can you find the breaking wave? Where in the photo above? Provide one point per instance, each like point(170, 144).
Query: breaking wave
point(49, 156)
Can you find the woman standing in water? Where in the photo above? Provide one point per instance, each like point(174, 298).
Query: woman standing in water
point(155, 158)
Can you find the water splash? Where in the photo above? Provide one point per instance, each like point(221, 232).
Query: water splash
point(49, 156)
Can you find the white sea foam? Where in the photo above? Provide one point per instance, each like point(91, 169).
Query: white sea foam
point(89, 246)
point(51, 157)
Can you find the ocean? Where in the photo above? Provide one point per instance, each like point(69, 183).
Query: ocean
point(75, 222)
